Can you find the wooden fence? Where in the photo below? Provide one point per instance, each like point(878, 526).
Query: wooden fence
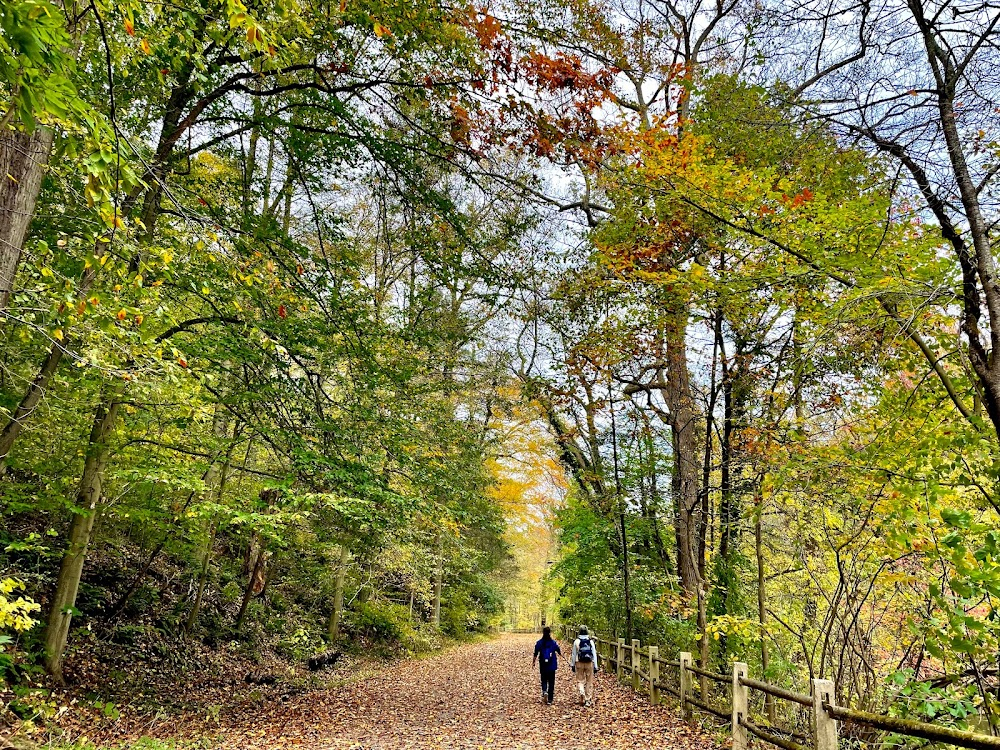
point(650, 673)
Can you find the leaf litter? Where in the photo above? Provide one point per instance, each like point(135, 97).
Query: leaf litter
point(476, 696)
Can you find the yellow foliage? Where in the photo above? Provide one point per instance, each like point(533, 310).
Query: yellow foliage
point(732, 625)
point(15, 613)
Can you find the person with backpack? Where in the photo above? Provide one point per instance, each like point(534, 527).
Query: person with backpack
point(547, 655)
point(583, 662)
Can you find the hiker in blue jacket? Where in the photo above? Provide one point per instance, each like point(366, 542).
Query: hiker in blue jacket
point(547, 655)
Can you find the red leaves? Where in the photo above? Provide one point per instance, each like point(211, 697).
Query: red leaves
point(575, 94)
point(282, 312)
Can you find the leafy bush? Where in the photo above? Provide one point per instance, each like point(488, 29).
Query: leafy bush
point(422, 639)
point(300, 644)
point(379, 622)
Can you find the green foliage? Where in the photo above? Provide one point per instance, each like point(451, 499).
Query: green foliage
point(381, 623)
point(389, 627)
point(285, 251)
point(35, 66)
point(290, 313)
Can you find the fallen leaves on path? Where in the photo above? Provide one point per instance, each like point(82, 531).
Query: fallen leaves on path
point(484, 695)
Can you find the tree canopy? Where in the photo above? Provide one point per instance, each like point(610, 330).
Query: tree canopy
point(363, 324)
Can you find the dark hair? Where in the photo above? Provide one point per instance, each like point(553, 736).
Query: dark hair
point(547, 632)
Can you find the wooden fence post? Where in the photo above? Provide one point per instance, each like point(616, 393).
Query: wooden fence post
point(654, 675)
point(740, 699)
point(824, 725)
point(619, 654)
point(636, 661)
point(686, 661)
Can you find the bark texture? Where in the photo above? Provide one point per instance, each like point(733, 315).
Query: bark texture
point(23, 158)
point(683, 424)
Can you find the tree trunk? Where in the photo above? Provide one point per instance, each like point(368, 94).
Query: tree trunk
point(220, 427)
point(337, 613)
point(438, 580)
point(713, 395)
point(762, 606)
point(206, 561)
point(625, 579)
point(680, 401)
point(255, 585)
point(28, 403)
point(23, 158)
point(736, 395)
point(88, 500)
point(703, 641)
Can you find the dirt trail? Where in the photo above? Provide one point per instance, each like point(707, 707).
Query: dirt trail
point(483, 695)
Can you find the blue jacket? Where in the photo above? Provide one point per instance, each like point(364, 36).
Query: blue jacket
point(540, 648)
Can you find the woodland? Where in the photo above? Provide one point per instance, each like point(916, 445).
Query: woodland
point(345, 329)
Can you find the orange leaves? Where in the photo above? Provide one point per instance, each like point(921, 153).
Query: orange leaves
point(565, 72)
point(793, 202)
point(800, 199)
point(487, 29)
point(489, 33)
point(573, 94)
point(461, 124)
point(523, 99)
point(653, 240)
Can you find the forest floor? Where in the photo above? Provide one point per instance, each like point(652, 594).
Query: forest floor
point(479, 695)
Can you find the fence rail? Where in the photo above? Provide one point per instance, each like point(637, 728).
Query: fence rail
point(767, 736)
point(626, 659)
point(778, 692)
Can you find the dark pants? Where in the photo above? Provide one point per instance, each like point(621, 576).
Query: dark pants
point(549, 682)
